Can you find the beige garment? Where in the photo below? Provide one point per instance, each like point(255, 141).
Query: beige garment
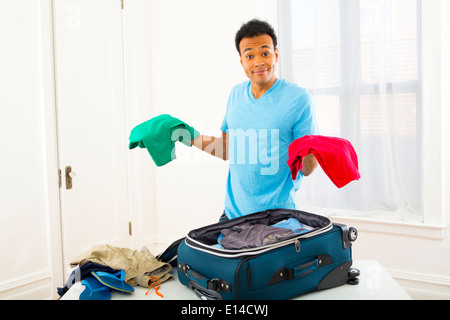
point(139, 266)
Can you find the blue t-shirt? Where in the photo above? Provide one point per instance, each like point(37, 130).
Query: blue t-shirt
point(260, 132)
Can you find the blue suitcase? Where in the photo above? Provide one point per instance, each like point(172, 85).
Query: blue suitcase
point(318, 259)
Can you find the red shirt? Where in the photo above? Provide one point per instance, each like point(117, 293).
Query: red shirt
point(336, 156)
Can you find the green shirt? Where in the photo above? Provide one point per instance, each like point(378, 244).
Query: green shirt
point(159, 135)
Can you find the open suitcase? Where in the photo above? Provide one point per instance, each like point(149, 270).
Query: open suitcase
point(316, 257)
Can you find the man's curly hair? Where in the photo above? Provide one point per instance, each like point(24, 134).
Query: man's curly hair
point(255, 28)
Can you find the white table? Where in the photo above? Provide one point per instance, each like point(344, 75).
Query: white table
point(374, 284)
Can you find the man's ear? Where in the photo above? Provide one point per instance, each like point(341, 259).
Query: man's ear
point(276, 53)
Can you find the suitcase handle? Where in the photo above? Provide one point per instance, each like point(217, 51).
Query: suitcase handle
point(201, 282)
point(301, 270)
point(292, 273)
point(305, 269)
point(204, 294)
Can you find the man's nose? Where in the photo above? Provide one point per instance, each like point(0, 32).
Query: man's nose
point(259, 63)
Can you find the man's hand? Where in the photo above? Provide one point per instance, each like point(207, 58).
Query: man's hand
point(309, 165)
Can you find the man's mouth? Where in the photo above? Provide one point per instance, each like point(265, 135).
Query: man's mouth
point(260, 71)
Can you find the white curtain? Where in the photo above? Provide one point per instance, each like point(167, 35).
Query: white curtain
point(360, 61)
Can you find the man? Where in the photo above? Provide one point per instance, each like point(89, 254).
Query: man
point(264, 116)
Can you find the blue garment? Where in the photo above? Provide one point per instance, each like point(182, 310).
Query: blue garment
point(81, 272)
point(260, 132)
point(223, 217)
point(294, 225)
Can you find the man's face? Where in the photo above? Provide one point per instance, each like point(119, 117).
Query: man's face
point(258, 58)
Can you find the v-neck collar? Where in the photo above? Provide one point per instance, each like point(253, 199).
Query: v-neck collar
point(264, 96)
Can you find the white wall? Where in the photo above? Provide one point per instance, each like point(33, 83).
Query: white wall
point(27, 160)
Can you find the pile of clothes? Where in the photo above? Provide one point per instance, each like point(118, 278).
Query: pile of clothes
point(105, 268)
point(248, 235)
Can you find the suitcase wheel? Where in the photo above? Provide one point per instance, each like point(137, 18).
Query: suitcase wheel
point(353, 273)
point(352, 234)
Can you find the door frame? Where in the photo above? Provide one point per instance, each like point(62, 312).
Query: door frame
point(138, 108)
point(49, 125)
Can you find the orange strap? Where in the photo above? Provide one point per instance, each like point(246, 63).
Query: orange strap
point(156, 284)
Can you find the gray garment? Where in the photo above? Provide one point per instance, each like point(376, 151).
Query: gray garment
point(249, 235)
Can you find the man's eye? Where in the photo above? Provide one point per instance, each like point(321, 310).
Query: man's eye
point(249, 57)
point(265, 54)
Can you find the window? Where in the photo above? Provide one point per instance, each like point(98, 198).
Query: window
point(361, 62)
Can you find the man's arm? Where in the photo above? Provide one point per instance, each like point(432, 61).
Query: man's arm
point(215, 146)
point(218, 147)
point(309, 165)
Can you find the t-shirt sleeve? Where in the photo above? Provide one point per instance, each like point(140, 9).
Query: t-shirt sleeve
point(306, 124)
point(224, 126)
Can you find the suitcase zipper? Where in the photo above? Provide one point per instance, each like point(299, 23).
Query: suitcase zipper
point(236, 253)
point(297, 245)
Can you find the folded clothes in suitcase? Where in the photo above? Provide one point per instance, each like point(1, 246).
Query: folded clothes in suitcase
point(274, 265)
